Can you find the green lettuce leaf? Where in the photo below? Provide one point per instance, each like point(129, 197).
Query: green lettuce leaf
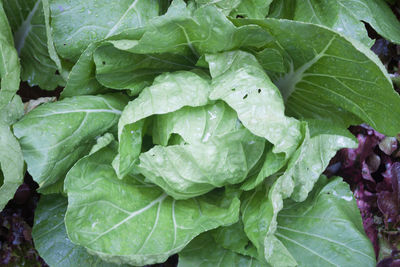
point(77, 24)
point(345, 17)
point(255, 210)
point(62, 65)
point(169, 92)
point(119, 69)
point(271, 59)
point(11, 163)
point(333, 77)
point(103, 141)
point(12, 111)
point(255, 9)
point(12, 169)
point(321, 81)
point(9, 62)
point(304, 168)
point(186, 30)
point(174, 39)
point(326, 229)
point(225, 6)
point(51, 240)
point(271, 165)
point(186, 171)
point(196, 125)
point(204, 252)
point(141, 226)
point(28, 25)
point(252, 9)
point(55, 135)
point(81, 78)
point(234, 238)
point(240, 81)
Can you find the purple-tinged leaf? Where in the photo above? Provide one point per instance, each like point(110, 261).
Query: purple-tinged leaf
point(388, 206)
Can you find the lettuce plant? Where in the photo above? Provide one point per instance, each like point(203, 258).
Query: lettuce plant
point(193, 127)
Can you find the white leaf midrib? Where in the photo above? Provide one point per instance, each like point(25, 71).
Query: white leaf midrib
point(114, 111)
point(306, 248)
point(324, 238)
point(287, 83)
point(115, 27)
point(159, 200)
point(23, 31)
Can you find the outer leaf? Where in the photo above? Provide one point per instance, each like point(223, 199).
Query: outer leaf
point(9, 62)
point(180, 33)
point(13, 111)
point(77, 23)
point(344, 16)
point(303, 170)
point(326, 229)
point(272, 163)
point(234, 238)
point(257, 220)
point(203, 251)
point(12, 164)
point(186, 171)
point(123, 70)
point(144, 226)
point(103, 141)
point(50, 43)
point(240, 81)
point(333, 74)
point(81, 79)
point(170, 92)
point(58, 187)
point(271, 59)
point(55, 135)
point(279, 9)
point(253, 9)
point(195, 124)
point(51, 240)
point(11, 161)
point(28, 25)
point(186, 31)
point(225, 6)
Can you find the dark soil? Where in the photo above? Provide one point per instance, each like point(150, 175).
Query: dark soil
point(16, 220)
